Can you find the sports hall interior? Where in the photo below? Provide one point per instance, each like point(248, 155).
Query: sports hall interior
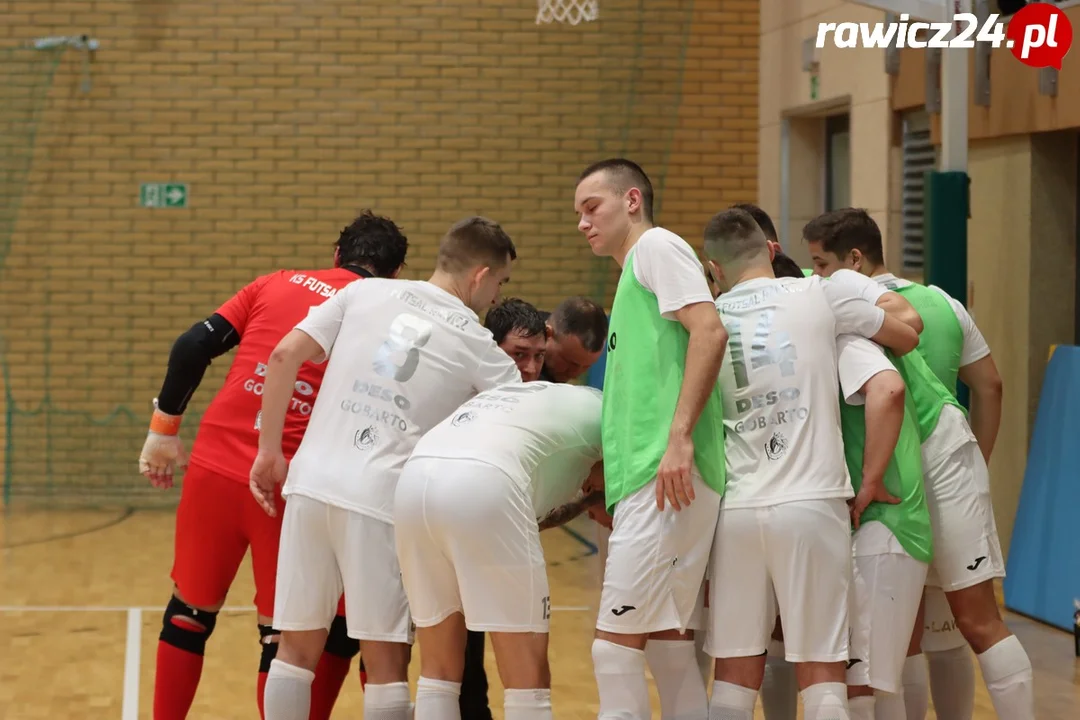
point(156, 156)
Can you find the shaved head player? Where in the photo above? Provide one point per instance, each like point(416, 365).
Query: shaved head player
point(217, 519)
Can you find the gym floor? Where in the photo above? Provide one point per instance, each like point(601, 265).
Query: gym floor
point(81, 596)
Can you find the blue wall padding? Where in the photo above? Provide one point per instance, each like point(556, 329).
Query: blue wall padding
point(1044, 555)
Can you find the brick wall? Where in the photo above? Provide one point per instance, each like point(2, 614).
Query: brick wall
point(285, 118)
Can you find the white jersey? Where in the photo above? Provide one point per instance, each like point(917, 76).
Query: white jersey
point(403, 355)
point(780, 386)
point(543, 435)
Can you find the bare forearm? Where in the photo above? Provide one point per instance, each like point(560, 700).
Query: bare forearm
point(704, 355)
point(565, 513)
point(277, 389)
point(985, 419)
point(884, 417)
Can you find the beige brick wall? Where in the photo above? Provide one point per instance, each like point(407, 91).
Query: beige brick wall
point(285, 118)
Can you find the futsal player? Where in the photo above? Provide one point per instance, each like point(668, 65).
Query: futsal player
point(663, 448)
point(518, 328)
point(465, 517)
point(576, 331)
point(217, 520)
point(968, 553)
point(784, 538)
point(401, 356)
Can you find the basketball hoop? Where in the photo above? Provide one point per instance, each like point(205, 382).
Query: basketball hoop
point(570, 12)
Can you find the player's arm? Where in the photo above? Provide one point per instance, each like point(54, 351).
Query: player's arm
point(494, 367)
point(847, 293)
point(896, 305)
point(591, 495)
point(868, 378)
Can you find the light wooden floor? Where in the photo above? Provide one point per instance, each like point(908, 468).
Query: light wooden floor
point(94, 584)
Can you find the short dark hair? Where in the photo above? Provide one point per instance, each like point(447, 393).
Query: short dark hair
point(583, 318)
point(474, 242)
point(784, 266)
point(373, 242)
point(761, 218)
point(841, 231)
point(731, 235)
point(514, 315)
point(625, 174)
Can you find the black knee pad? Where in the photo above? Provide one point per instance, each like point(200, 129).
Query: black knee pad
point(338, 641)
point(268, 638)
point(183, 635)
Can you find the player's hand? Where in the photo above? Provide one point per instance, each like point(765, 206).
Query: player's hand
point(673, 478)
point(160, 456)
point(267, 472)
point(872, 490)
point(600, 516)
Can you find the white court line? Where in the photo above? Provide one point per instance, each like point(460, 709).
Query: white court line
point(129, 609)
point(132, 664)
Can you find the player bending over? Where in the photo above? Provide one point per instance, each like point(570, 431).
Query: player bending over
point(968, 553)
point(466, 515)
point(784, 534)
point(402, 356)
point(217, 519)
point(663, 448)
point(576, 331)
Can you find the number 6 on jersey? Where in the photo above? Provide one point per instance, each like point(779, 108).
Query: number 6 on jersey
point(398, 357)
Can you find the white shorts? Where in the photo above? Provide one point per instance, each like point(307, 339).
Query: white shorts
point(966, 546)
point(795, 557)
point(939, 626)
point(325, 550)
point(886, 589)
point(657, 561)
point(468, 542)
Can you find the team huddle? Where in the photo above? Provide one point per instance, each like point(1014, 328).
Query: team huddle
point(780, 456)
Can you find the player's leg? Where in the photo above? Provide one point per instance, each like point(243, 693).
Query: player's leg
point(886, 592)
point(668, 656)
point(307, 589)
point(474, 684)
point(779, 688)
point(967, 559)
point(808, 553)
point(333, 668)
point(916, 684)
point(209, 546)
point(740, 623)
point(652, 585)
point(949, 670)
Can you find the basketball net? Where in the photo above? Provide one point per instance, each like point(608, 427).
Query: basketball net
point(571, 12)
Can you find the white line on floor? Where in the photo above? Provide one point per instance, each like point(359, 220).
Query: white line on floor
point(132, 664)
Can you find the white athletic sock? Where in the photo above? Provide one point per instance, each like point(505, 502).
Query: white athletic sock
point(678, 679)
point(825, 701)
point(861, 708)
point(731, 702)
point(890, 706)
point(952, 683)
point(706, 665)
point(527, 704)
point(916, 688)
point(1006, 670)
point(779, 688)
point(437, 700)
point(288, 692)
point(620, 680)
point(387, 702)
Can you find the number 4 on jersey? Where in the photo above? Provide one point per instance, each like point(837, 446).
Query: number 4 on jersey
point(763, 351)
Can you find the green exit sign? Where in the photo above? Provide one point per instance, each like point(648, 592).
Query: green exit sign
point(163, 195)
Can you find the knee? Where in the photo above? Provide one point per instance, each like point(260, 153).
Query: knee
point(338, 641)
point(385, 662)
point(268, 640)
point(185, 627)
point(982, 630)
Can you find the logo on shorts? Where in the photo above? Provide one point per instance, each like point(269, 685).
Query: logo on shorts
point(975, 565)
point(776, 446)
point(463, 419)
point(365, 439)
point(623, 610)
point(851, 663)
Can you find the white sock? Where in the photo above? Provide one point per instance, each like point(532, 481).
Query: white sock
point(288, 692)
point(916, 688)
point(861, 708)
point(731, 702)
point(678, 679)
point(1006, 670)
point(527, 704)
point(437, 699)
point(825, 701)
point(952, 683)
point(706, 664)
point(890, 706)
point(779, 688)
point(387, 702)
point(620, 680)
